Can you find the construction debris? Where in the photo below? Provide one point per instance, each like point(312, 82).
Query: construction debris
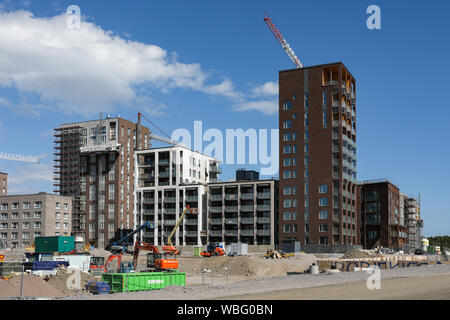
point(274, 254)
point(356, 254)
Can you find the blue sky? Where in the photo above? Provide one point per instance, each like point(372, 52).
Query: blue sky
point(209, 61)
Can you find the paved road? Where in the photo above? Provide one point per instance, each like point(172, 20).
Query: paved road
point(411, 288)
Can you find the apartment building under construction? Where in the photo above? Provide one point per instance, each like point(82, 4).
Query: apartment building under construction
point(94, 164)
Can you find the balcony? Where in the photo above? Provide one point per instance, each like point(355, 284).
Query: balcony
point(163, 162)
point(215, 197)
point(263, 220)
point(335, 123)
point(215, 169)
point(215, 233)
point(192, 198)
point(248, 233)
point(231, 220)
point(170, 199)
point(247, 208)
point(149, 200)
point(191, 233)
point(231, 209)
point(215, 221)
point(170, 222)
point(264, 207)
point(231, 232)
point(248, 196)
point(149, 234)
point(263, 233)
point(148, 211)
point(264, 195)
point(191, 222)
point(164, 174)
point(247, 220)
point(215, 209)
point(336, 231)
point(169, 210)
point(231, 196)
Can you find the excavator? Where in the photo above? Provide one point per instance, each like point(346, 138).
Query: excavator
point(170, 248)
point(156, 261)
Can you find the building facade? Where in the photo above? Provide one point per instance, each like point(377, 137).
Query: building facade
point(168, 179)
point(243, 211)
point(383, 220)
point(3, 184)
point(414, 223)
point(25, 217)
point(317, 121)
point(94, 164)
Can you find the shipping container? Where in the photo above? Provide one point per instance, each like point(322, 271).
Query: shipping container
point(145, 281)
point(54, 244)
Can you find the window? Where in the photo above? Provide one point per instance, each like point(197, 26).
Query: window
point(323, 240)
point(306, 119)
point(294, 97)
point(306, 135)
point(287, 124)
point(287, 228)
point(287, 203)
point(306, 202)
point(4, 206)
point(306, 215)
point(15, 206)
point(26, 215)
point(57, 225)
point(37, 225)
point(294, 174)
point(15, 225)
point(294, 148)
point(26, 205)
point(66, 215)
point(287, 216)
point(66, 225)
point(287, 191)
point(323, 214)
point(287, 162)
point(25, 235)
point(306, 147)
point(287, 106)
point(58, 206)
point(57, 215)
point(38, 205)
point(37, 215)
point(324, 98)
point(323, 188)
point(294, 191)
point(287, 136)
point(323, 228)
point(294, 161)
point(306, 173)
point(4, 216)
point(4, 226)
point(324, 117)
point(306, 161)
point(294, 136)
point(15, 216)
point(306, 188)
point(323, 202)
point(287, 149)
point(287, 174)
point(25, 225)
point(294, 115)
point(306, 99)
point(37, 234)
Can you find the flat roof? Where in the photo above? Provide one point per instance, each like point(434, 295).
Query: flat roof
point(318, 66)
point(35, 194)
point(242, 181)
point(3, 173)
point(140, 152)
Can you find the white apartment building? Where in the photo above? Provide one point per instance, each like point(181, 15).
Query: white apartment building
point(167, 179)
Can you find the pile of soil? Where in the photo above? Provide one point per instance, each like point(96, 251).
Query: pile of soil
point(100, 252)
point(33, 286)
point(356, 254)
point(61, 281)
point(13, 254)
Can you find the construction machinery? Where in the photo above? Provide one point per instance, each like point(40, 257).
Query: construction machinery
point(213, 249)
point(120, 245)
point(170, 248)
point(275, 254)
point(286, 47)
point(97, 265)
point(156, 261)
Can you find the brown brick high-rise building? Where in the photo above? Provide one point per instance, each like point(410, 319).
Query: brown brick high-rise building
point(94, 164)
point(317, 121)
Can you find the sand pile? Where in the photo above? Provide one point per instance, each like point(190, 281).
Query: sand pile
point(13, 254)
point(69, 286)
point(100, 252)
point(356, 254)
point(32, 287)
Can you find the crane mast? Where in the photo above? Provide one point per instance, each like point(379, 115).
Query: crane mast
point(284, 44)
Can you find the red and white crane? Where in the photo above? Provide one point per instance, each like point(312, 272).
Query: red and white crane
point(286, 47)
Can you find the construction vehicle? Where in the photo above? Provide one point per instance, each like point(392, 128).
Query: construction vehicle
point(213, 249)
point(156, 261)
point(120, 245)
point(170, 248)
point(97, 265)
point(275, 254)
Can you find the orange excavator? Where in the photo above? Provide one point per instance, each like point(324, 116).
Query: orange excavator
point(156, 261)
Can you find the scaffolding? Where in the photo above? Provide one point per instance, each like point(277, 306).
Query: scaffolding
point(67, 171)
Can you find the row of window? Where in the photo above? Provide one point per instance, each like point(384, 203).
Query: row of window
point(292, 228)
point(15, 235)
point(292, 203)
point(288, 190)
point(25, 215)
point(26, 205)
point(323, 215)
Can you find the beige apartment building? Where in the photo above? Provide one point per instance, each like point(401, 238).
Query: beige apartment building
point(3, 184)
point(25, 217)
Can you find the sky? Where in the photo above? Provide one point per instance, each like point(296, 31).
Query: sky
point(217, 62)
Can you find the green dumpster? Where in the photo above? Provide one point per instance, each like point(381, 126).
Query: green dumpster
point(145, 281)
point(197, 251)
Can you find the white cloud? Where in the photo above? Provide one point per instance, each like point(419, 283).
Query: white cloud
point(267, 89)
point(23, 177)
point(267, 107)
point(89, 70)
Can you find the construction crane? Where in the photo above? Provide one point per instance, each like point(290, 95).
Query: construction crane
point(17, 157)
point(153, 136)
point(286, 47)
point(170, 248)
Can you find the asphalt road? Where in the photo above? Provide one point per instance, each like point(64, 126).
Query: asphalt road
point(435, 287)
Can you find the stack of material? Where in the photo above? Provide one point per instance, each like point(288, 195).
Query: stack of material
point(274, 254)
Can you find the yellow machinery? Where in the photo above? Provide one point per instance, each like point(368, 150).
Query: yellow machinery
point(170, 248)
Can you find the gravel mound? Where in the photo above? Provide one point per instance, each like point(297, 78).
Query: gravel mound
point(60, 281)
point(356, 254)
point(32, 287)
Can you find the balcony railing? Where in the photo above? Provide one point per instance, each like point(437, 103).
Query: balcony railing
point(148, 201)
point(263, 219)
point(231, 197)
point(247, 208)
point(264, 195)
point(247, 220)
point(191, 222)
point(215, 197)
point(164, 161)
point(231, 232)
point(231, 220)
point(191, 233)
point(215, 233)
point(215, 221)
point(264, 207)
point(170, 222)
point(263, 232)
point(231, 208)
point(170, 199)
point(215, 209)
point(247, 195)
point(215, 169)
point(191, 198)
point(248, 233)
